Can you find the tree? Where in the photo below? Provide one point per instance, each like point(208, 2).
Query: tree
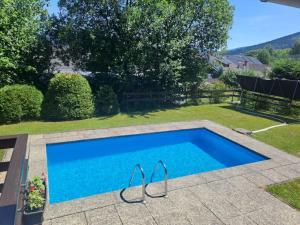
point(286, 69)
point(20, 23)
point(296, 48)
point(149, 44)
point(264, 56)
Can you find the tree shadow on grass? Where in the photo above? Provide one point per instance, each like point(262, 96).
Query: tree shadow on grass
point(145, 112)
point(268, 115)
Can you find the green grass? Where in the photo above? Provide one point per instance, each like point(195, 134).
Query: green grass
point(287, 192)
point(1, 154)
point(285, 138)
point(219, 113)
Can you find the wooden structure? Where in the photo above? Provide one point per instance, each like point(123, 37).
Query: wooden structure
point(280, 94)
point(177, 98)
point(11, 200)
point(293, 3)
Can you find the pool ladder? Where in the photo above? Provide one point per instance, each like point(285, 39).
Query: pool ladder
point(140, 168)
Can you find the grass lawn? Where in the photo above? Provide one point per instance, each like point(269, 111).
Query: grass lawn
point(287, 192)
point(1, 154)
point(286, 138)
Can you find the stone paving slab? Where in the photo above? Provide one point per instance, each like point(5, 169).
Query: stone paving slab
point(195, 211)
point(75, 219)
point(240, 220)
point(135, 214)
point(217, 203)
point(274, 176)
point(106, 215)
point(223, 197)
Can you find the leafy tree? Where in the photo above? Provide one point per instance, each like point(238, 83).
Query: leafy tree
point(106, 101)
point(296, 48)
point(286, 69)
point(229, 77)
point(264, 56)
point(20, 24)
point(149, 44)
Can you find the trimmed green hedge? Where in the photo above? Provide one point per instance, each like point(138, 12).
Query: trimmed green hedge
point(19, 102)
point(69, 97)
point(106, 101)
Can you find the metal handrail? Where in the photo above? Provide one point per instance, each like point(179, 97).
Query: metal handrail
point(160, 162)
point(143, 179)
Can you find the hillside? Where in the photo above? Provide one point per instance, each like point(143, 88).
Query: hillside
point(280, 43)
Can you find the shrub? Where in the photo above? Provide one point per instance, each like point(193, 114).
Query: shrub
point(69, 97)
point(296, 48)
point(264, 56)
point(287, 69)
point(229, 77)
point(106, 101)
point(19, 102)
point(217, 92)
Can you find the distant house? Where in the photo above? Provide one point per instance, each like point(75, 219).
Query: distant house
point(241, 62)
point(60, 67)
point(293, 3)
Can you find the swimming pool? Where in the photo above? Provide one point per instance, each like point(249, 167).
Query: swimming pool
point(84, 168)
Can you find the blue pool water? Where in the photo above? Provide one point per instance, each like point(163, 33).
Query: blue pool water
point(85, 168)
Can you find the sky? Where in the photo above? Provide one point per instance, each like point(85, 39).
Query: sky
point(254, 22)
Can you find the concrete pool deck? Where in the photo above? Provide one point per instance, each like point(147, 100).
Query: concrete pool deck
point(231, 196)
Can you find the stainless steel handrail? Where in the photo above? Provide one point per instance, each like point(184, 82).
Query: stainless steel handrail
point(160, 162)
point(143, 179)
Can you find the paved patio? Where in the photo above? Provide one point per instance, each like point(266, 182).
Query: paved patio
point(233, 196)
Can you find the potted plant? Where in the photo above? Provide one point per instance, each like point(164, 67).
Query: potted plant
point(35, 199)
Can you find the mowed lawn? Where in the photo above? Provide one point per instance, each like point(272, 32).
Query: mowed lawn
point(286, 138)
point(288, 192)
point(1, 154)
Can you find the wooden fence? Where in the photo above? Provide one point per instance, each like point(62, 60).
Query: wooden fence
point(177, 98)
point(213, 96)
point(268, 100)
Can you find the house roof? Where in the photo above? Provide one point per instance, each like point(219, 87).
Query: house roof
point(59, 67)
point(238, 59)
point(293, 3)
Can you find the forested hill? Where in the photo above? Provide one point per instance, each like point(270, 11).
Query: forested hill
point(280, 43)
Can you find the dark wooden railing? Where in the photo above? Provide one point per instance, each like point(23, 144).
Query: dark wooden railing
point(11, 199)
point(270, 100)
point(175, 97)
point(180, 98)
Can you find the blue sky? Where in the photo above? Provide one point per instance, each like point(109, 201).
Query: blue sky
point(254, 22)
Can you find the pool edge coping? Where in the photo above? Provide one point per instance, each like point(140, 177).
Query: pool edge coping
point(279, 160)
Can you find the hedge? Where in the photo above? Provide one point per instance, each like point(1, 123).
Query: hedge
point(20, 102)
point(106, 101)
point(69, 97)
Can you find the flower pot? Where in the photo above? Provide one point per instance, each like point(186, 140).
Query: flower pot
point(33, 217)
